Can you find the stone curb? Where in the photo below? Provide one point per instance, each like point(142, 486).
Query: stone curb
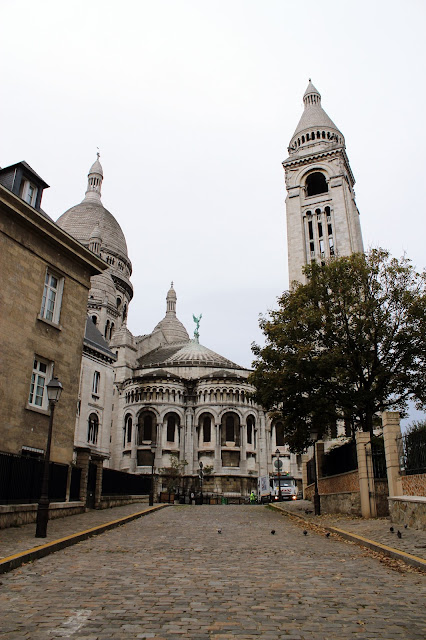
point(12, 562)
point(414, 561)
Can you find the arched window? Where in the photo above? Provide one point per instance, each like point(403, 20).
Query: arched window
point(128, 423)
point(146, 428)
point(316, 183)
point(93, 429)
point(279, 434)
point(96, 382)
point(106, 334)
point(250, 429)
point(207, 429)
point(94, 320)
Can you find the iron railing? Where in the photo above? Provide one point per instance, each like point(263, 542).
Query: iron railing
point(412, 452)
point(21, 477)
point(119, 483)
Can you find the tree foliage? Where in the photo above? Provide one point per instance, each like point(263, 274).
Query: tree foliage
point(347, 344)
point(174, 473)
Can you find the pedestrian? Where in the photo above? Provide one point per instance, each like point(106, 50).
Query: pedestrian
point(252, 497)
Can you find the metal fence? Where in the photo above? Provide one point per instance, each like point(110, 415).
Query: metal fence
point(378, 457)
point(412, 452)
point(340, 460)
point(310, 469)
point(119, 483)
point(21, 477)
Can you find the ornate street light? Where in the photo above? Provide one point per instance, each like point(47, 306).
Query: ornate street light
point(317, 499)
point(151, 493)
point(277, 453)
point(54, 390)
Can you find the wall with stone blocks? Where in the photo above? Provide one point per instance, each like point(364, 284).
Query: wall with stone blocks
point(342, 482)
point(120, 501)
point(408, 510)
point(414, 485)
point(15, 515)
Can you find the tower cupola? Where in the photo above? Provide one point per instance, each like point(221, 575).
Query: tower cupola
point(315, 131)
point(94, 181)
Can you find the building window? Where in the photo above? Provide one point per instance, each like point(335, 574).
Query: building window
point(316, 184)
point(42, 373)
point(146, 428)
point(52, 297)
point(279, 434)
point(250, 429)
point(93, 429)
point(207, 429)
point(230, 432)
point(95, 383)
point(29, 192)
point(171, 425)
point(128, 424)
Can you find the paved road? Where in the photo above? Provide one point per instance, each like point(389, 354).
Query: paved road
point(171, 575)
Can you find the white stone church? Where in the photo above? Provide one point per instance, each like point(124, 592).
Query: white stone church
point(145, 398)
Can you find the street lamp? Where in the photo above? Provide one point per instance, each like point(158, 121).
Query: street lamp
point(54, 390)
point(151, 493)
point(277, 453)
point(201, 474)
point(317, 499)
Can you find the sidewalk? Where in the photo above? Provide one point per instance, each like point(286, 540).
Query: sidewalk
point(373, 533)
point(19, 544)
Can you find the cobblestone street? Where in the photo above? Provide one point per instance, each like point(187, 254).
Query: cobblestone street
point(172, 575)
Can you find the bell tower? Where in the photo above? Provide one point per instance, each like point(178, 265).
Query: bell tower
point(322, 217)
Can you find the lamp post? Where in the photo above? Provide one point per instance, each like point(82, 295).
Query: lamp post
point(277, 453)
point(151, 493)
point(54, 390)
point(201, 474)
point(317, 499)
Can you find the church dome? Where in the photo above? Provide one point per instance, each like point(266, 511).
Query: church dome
point(103, 289)
point(172, 328)
point(189, 354)
point(90, 218)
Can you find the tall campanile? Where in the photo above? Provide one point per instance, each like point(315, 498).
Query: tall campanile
point(322, 217)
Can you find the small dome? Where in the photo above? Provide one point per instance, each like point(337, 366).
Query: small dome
point(97, 168)
point(173, 329)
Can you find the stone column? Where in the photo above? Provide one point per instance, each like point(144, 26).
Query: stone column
point(243, 448)
point(83, 459)
point(391, 436)
point(188, 449)
point(366, 474)
point(262, 453)
point(319, 457)
point(217, 458)
point(305, 460)
point(98, 490)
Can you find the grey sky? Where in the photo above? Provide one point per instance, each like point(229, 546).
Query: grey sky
point(192, 104)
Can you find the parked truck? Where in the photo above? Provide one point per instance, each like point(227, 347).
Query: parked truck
point(268, 488)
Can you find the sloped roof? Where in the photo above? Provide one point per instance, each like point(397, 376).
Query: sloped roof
point(187, 354)
point(94, 338)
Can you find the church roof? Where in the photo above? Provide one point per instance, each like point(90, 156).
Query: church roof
point(81, 221)
point(93, 338)
point(188, 354)
point(313, 116)
point(90, 217)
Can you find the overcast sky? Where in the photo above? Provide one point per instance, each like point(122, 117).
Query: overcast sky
point(192, 104)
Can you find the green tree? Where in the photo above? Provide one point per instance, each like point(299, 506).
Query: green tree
point(174, 473)
point(347, 344)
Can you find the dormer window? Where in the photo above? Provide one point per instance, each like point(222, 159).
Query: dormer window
point(29, 192)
